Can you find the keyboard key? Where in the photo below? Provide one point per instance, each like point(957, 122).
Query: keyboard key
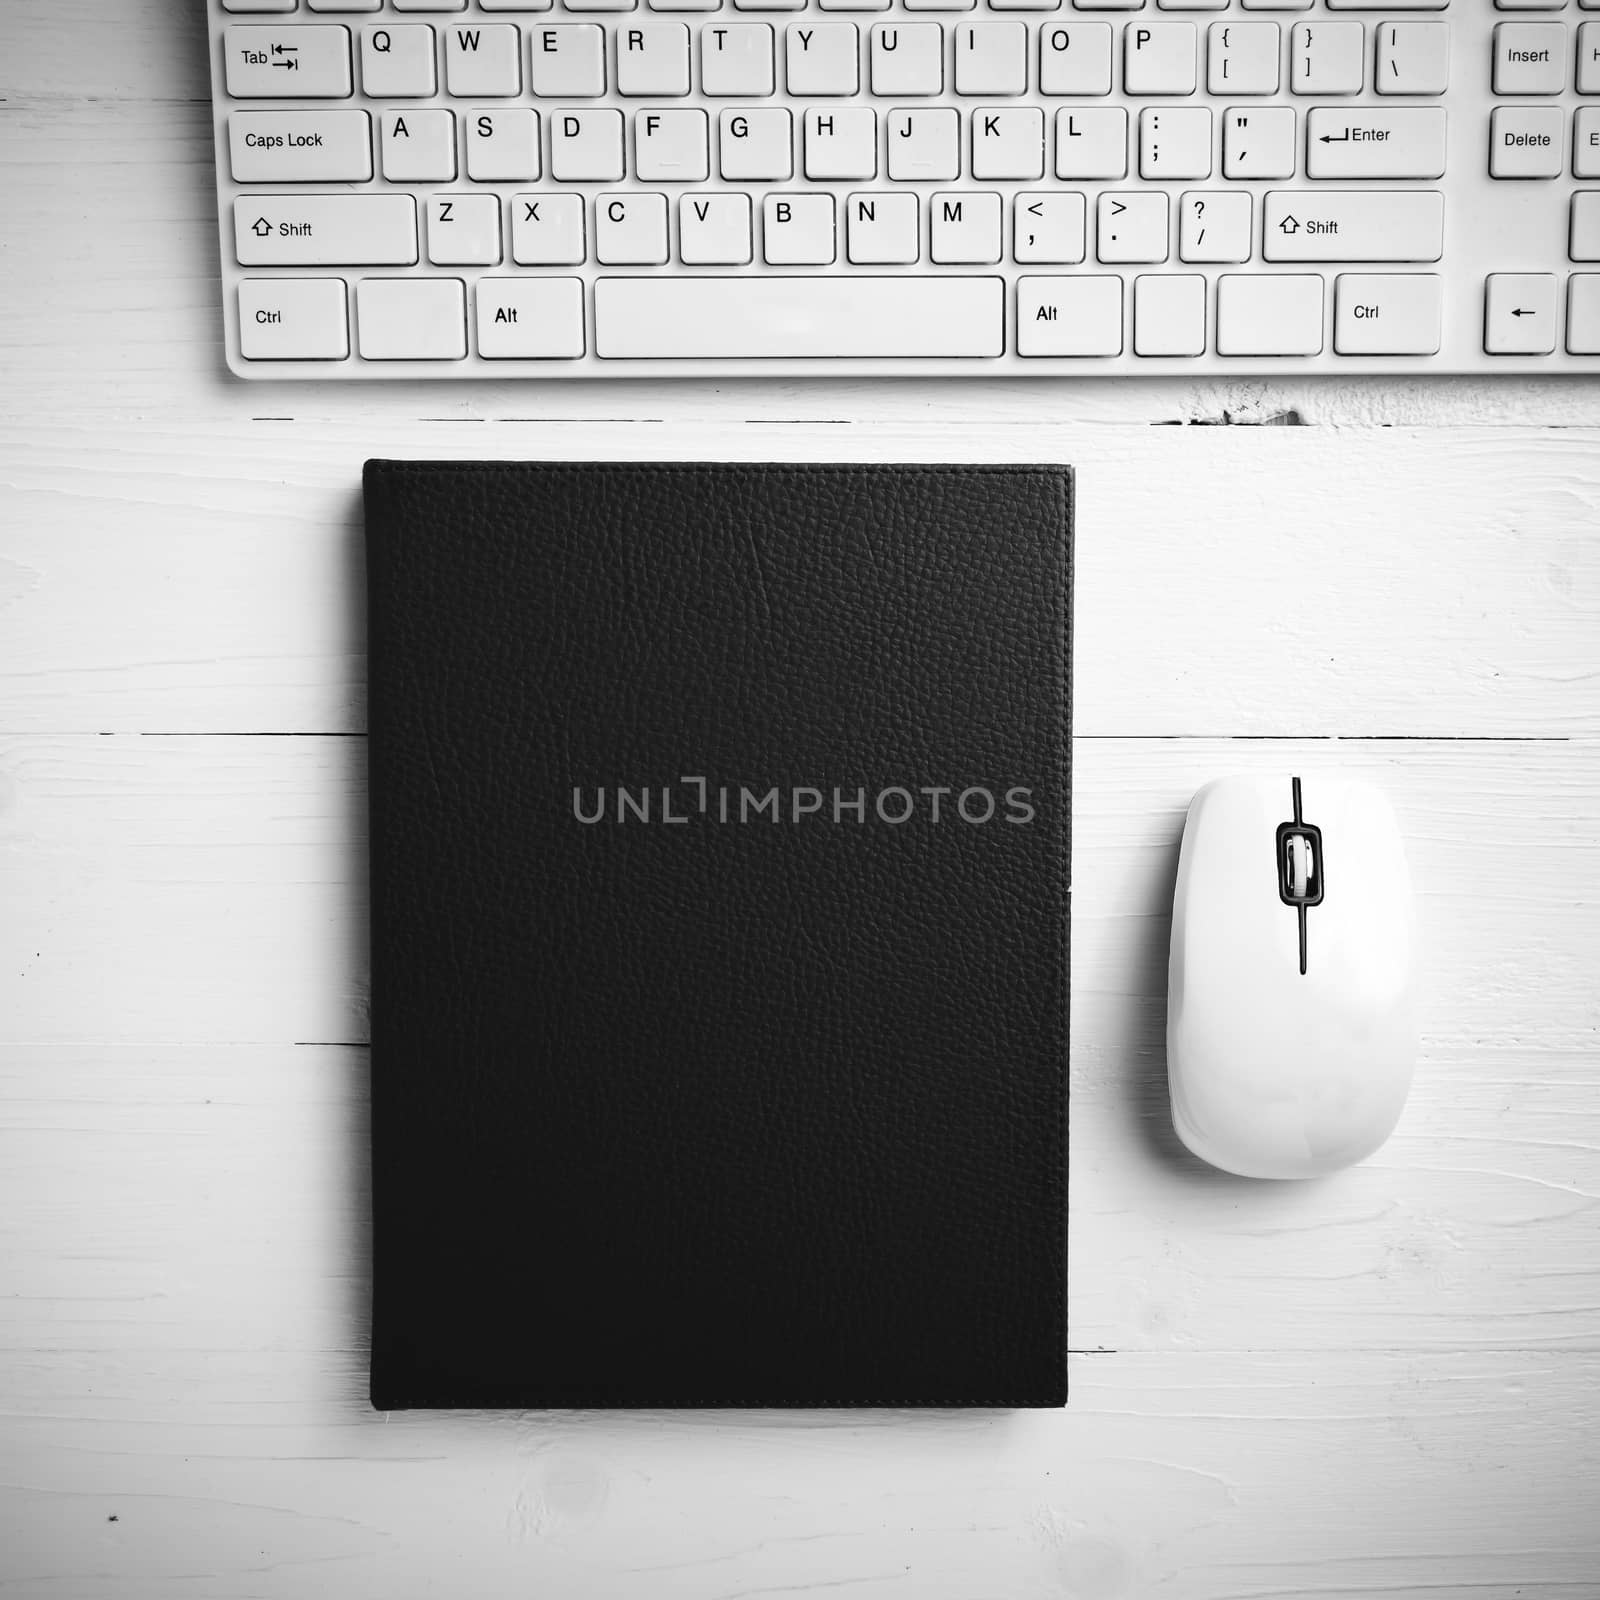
point(547, 230)
point(1329, 58)
point(1519, 314)
point(1078, 316)
point(1584, 240)
point(1242, 57)
point(797, 230)
point(1586, 142)
point(714, 230)
point(1588, 75)
point(1075, 58)
point(671, 146)
point(1008, 143)
point(586, 146)
point(1159, 58)
point(991, 58)
point(530, 319)
point(411, 319)
point(503, 146)
point(965, 228)
point(907, 58)
point(756, 145)
point(463, 230)
point(398, 62)
point(841, 142)
point(304, 61)
point(1353, 225)
point(881, 229)
point(1048, 228)
point(1375, 142)
point(1530, 58)
point(1175, 142)
point(1412, 58)
point(1258, 142)
point(1387, 5)
point(1214, 225)
point(822, 58)
point(483, 61)
point(293, 319)
point(300, 146)
point(1132, 226)
point(1527, 142)
point(1092, 143)
point(653, 59)
point(630, 230)
point(1269, 315)
point(1392, 313)
point(258, 5)
point(846, 316)
point(568, 61)
point(1169, 314)
point(293, 230)
point(418, 146)
point(1583, 314)
point(925, 145)
point(736, 59)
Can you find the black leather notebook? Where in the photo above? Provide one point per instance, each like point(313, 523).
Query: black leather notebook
point(719, 934)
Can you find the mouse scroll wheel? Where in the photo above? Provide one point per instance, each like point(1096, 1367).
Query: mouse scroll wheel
point(1300, 866)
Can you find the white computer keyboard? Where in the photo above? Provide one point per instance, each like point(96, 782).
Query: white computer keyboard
point(493, 188)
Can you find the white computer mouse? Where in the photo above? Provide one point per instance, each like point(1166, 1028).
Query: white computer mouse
point(1291, 1029)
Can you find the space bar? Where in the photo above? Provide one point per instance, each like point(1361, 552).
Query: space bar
point(639, 318)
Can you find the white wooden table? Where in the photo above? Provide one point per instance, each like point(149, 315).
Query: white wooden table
point(1384, 1383)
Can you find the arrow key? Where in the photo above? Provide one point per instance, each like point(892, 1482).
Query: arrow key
point(1519, 313)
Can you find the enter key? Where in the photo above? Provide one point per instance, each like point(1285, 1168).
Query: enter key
point(1375, 142)
point(1352, 225)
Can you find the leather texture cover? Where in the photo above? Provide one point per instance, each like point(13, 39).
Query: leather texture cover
point(720, 897)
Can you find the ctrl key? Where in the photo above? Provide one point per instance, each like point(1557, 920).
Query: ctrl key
point(293, 319)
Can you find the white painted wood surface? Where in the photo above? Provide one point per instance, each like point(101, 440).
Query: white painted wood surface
point(1387, 1383)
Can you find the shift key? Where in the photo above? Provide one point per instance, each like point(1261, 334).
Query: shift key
point(325, 230)
point(1352, 225)
point(1375, 142)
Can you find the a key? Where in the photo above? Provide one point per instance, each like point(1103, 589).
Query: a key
point(418, 146)
point(300, 146)
point(1261, 314)
point(671, 146)
point(991, 58)
point(1519, 314)
point(1076, 316)
point(1387, 5)
point(1530, 58)
point(1175, 142)
point(939, 5)
point(547, 230)
point(530, 319)
point(714, 230)
point(736, 59)
point(1583, 243)
point(293, 319)
point(1092, 142)
point(308, 61)
point(398, 62)
point(1375, 142)
point(925, 145)
point(411, 319)
point(1387, 313)
point(1169, 314)
point(1280, 5)
point(1242, 57)
point(1048, 227)
point(822, 58)
point(482, 62)
point(292, 230)
point(586, 146)
point(1131, 226)
point(1527, 142)
point(503, 146)
point(568, 61)
point(653, 59)
point(964, 227)
point(797, 229)
point(1008, 142)
point(1258, 142)
point(1075, 58)
point(630, 229)
point(1583, 314)
point(1588, 75)
point(881, 229)
point(1586, 142)
point(841, 142)
point(1412, 58)
point(463, 230)
point(756, 145)
point(1327, 57)
point(907, 58)
point(849, 315)
point(1353, 225)
point(1159, 58)
point(1214, 225)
